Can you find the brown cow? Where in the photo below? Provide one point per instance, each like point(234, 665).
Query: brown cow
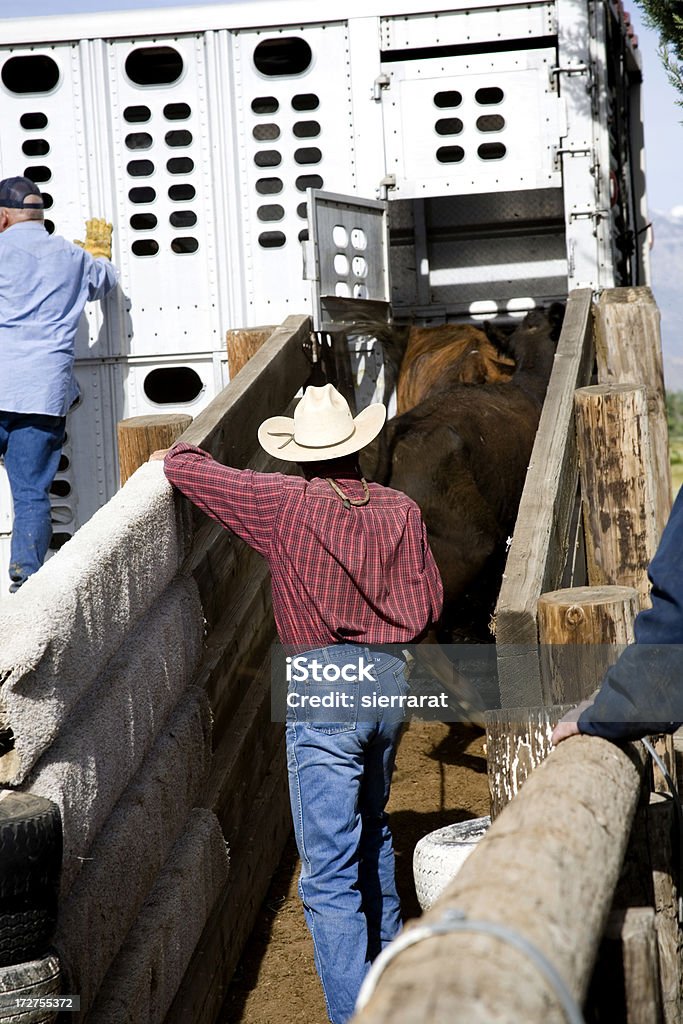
point(449, 352)
point(462, 455)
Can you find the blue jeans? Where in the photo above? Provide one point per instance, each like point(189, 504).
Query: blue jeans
point(340, 764)
point(31, 444)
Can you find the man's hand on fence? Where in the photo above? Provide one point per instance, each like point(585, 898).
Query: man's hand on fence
point(563, 730)
point(159, 455)
point(97, 238)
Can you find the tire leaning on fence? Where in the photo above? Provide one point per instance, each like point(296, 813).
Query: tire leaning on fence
point(439, 856)
point(29, 982)
point(30, 867)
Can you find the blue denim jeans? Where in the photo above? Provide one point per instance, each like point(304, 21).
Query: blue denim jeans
point(31, 445)
point(340, 764)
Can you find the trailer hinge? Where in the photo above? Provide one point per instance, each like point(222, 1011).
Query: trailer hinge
point(595, 215)
point(387, 182)
point(382, 81)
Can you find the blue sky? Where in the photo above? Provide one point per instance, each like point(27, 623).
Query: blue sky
point(663, 118)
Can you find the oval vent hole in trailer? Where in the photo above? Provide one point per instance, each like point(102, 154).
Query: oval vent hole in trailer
point(177, 111)
point(183, 219)
point(140, 168)
point(265, 105)
point(30, 122)
point(269, 186)
point(305, 101)
point(266, 132)
point(137, 115)
point(180, 165)
point(492, 151)
point(143, 222)
point(490, 123)
point(142, 195)
point(305, 181)
point(38, 174)
point(60, 487)
point(179, 137)
point(306, 129)
point(267, 158)
point(35, 147)
point(288, 55)
point(448, 126)
point(184, 245)
point(489, 95)
point(47, 200)
point(172, 385)
point(31, 73)
point(139, 140)
point(271, 212)
point(309, 155)
point(154, 65)
point(450, 154)
point(145, 247)
point(272, 239)
point(49, 226)
point(58, 541)
point(451, 98)
point(181, 193)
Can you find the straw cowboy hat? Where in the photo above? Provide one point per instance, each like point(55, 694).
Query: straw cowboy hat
point(322, 428)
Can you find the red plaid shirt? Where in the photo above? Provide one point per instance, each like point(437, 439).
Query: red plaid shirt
point(364, 574)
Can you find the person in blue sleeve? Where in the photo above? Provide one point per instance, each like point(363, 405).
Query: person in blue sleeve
point(45, 283)
point(642, 693)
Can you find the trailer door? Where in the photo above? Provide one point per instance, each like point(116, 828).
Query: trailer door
point(346, 257)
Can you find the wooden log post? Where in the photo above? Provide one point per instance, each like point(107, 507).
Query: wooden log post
point(629, 351)
point(626, 985)
point(582, 631)
point(139, 436)
point(242, 344)
point(517, 740)
point(546, 870)
point(617, 485)
point(659, 835)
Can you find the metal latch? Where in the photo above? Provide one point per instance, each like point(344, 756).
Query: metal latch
point(382, 81)
point(570, 151)
point(569, 70)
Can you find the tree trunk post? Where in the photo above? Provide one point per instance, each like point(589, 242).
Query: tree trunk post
point(139, 436)
point(629, 351)
point(617, 485)
point(582, 631)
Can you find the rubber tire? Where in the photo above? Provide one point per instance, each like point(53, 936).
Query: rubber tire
point(34, 979)
point(30, 847)
point(26, 930)
point(439, 856)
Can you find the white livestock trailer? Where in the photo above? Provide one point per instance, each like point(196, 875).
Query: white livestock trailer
point(474, 160)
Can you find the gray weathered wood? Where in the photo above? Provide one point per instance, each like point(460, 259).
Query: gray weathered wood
point(629, 351)
point(538, 553)
point(546, 869)
point(660, 825)
point(634, 934)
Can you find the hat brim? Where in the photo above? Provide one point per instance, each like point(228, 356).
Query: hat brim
point(367, 425)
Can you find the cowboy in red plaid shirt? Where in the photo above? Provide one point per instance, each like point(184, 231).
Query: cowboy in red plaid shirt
point(351, 570)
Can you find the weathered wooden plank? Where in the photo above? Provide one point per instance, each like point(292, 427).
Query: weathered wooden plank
point(540, 542)
point(582, 631)
point(534, 873)
point(617, 484)
point(625, 984)
point(660, 825)
point(629, 351)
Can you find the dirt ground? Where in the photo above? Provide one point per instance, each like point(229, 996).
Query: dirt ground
point(440, 778)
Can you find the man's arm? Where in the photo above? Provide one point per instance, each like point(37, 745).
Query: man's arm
point(239, 499)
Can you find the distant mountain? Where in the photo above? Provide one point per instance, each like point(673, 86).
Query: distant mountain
point(666, 264)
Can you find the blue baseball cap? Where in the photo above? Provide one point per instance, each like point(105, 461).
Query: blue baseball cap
point(15, 191)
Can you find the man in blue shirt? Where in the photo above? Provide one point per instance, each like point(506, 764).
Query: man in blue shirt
point(45, 283)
